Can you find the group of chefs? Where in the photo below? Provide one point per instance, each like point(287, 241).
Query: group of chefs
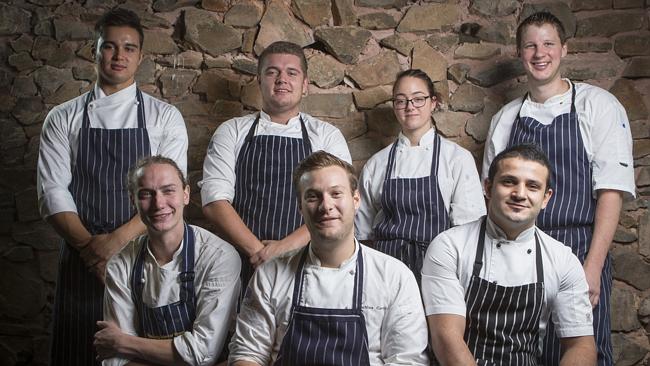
point(312, 266)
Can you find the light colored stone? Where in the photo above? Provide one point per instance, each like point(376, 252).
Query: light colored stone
point(381, 3)
point(590, 4)
point(248, 42)
point(379, 70)
point(370, 98)
point(632, 45)
point(345, 43)
point(477, 51)
point(586, 45)
point(637, 67)
point(427, 17)
point(44, 48)
point(632, 100)
point(215, 84)
point(397, 43)
point(185, 60)
point(146, 72)
point(558, 8)
point(640, 129)
point(245, 65)
point(458, 72)
point(479, 124)
point(221, 62)
point(313, 12)
point(325, 71)
point(377, 21)
point(443, 42)
point(450, 124)
point(170, 5)
point(278, 24)
point(598, 66)
point(158, 42)
point(328, 105)
point(430, 61)
point(609, 24)
point(205, 31)
point(244, 14)
point(467, 98)
point(362, 148)
point(215, 5)
point(351, 127)
point(497, 32)
point(494, 7)
point(343, 12)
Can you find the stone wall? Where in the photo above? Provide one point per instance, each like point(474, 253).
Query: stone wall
point(201, 57)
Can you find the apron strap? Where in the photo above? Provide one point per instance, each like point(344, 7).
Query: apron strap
point(538, 259)
point(86, 120)
point(358, 282)
point(186, 276)
point(306, 143)
point(478, 260)
point(435, 158)
point(391, 161)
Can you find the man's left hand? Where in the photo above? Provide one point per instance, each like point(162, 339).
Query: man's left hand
point(592, 273)
point(272, 248)
point(98, 251)
point(107, 340)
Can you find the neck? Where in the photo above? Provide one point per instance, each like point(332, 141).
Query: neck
point(282, 117)
point(109, 89)
point(333, 254)
point(414, 136)
point(164, 245)
point(542, 92)
point(510, 229)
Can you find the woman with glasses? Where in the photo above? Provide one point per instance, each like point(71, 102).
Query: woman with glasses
point(420, 185)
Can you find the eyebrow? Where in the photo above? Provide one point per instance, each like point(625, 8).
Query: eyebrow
point(405, 95)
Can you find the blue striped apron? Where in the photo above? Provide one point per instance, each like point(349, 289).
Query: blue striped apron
point(325, 337)
point(167, 321)
point(569, 215)
point(414, 213)
point(99, 190)
point(502, 323)
point(265, 198)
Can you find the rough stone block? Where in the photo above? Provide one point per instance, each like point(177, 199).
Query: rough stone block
point(251, 96)
point(558, 8)
point(71, 29)
point(170, 5)
point(22, 43)
point(575, 45)
point(640, 129)
point(427, 17)
point(495, 73)
point(377, 21)
point(430, 61)
point(477, 51)
point(21, 284)
point(370, 98)
point(313, 12)
point(177, 82)
point(215, 84)
point(637, 67)
point(19, 254)
point(325, 71)
point(362, 148)
point(27, 205)
point(379, 70)
point(49, 79)
point(632, 45)
point(598, 66)
point(345, 43)
point(642, 176)
point(224, 110)
point(215, 5)
point(381, 120)
point(450, 124)
point(631, 268)
point(458, 72)
point(23, 61)
point(158, 42)
point(13, 20)
point(245, 65)
point(443, 42)
point(343, 12)
point(65, 92)
point(12, 134)
point(29, 110)
point(351, 127)
point(641, 148)
point(631, 99)
point(209, 34)
point(590, 4)
point(609, 24)
point(628, 4)
point(397, 43)
point(494, 7)
point(467, 98)
point(328, 105)
point(626, 351)
point(279, 24)
point(497, 32)
point(244, 14)
point(86, 72)
point(381, 3)
point(625, 235)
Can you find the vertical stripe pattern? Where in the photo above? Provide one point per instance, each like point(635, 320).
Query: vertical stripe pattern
point(325, 337)
point(502, 323)
point(265, 198)
point(569, 215)
point(170, 320)
point(414, 213)
point(99, 190)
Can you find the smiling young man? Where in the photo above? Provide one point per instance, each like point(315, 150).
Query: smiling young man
point(246, 188)
point(586, 134)
point(491, 286)
point(171, 293)
point(87, 146)
point(334, 302)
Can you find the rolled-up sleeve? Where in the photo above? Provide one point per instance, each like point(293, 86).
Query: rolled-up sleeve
point(467, 202)
point(442, 290)
point(571, 311)
point(369, 187)
point(215, 308)
point(174, 141)
point(219, 165)
point(335, 144)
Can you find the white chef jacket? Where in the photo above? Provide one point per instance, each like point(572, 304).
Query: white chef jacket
point(448, 265)
point(604, 128)
point(60, 139)
point(219, 165)
point(216, 287)
point(458, 181)
point(391, 305)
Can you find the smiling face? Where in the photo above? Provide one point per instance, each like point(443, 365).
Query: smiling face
point(414, 120)
point(117, 56)
point(328, 204)
point(516, 194)
point(541, 51)
point(282, 83)
point(160, 198)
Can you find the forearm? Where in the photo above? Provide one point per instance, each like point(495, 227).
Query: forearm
point(157, 351)
point(608, 209)
point(578, 351)
point(447, 340)
point(68, 225)
point(297, 239)
point(231, 228)
point(128, 231)
point(244, 363)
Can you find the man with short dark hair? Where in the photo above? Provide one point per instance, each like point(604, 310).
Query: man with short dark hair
point(490, 287)
point(246, 188)
point(586, 134)
point(171, 293)
point(87, 146)
point(334, 302)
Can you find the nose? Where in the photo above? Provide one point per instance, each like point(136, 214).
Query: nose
point(326, 203)
point(518, 191)
point(158, 201)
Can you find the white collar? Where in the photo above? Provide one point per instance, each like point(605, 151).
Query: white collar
point(426, 139)
point(494, 232)
point(314, 260)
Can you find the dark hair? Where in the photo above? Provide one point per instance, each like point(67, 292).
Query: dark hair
point(119, 17)
point(283, 47)
point(526, 151)
point(321, 159)
point(135, 170)
point(538, 19)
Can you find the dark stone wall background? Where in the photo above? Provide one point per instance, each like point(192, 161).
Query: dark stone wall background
point(201, 56)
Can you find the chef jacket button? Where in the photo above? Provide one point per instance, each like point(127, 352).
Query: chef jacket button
point(529, 251)
point(498, 245)
point(495, 281)
point(352, 272)
point(142, 280)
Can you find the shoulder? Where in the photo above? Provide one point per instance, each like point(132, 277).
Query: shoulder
point(124, 259)
point(237, 124)
point(458, 237)
point(383, 266)
point(69, 107)
point(158, 104)
point(454, 151)
point(595, 97)
point(379, 158)
point(318, 125)
point(212, 245)
point(557, 251)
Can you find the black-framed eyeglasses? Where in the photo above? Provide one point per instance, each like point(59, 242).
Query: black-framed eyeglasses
point(417, 102)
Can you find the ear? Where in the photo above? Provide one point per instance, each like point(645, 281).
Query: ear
point(186, 195)
point(305, 86)
point(356, 197)
point(565, 50)
point(487, 186)
point(547, 197)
